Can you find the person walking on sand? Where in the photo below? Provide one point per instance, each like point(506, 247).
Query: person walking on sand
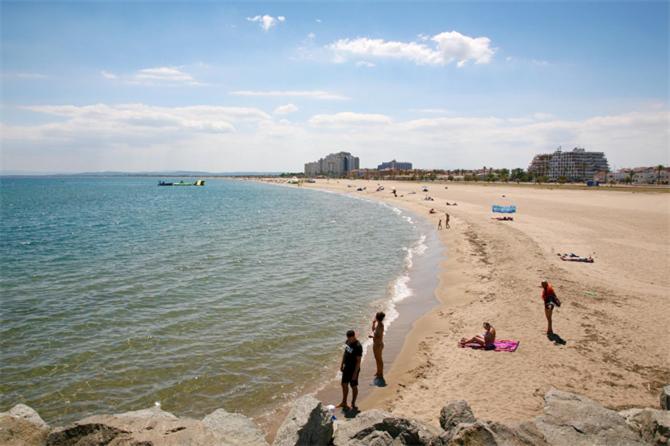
point(378, 345)
point(446, 220)
point(550, 301)
point(439, 225)
point(350, 368)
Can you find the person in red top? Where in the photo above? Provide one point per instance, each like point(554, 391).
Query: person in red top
point(550, 301)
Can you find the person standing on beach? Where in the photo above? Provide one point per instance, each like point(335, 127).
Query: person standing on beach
point(439, 225)
point(446, 220)
point(350, 368)
point(378, 345)
point(550, 301)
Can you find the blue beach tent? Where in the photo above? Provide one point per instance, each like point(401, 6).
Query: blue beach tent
point(503, 209)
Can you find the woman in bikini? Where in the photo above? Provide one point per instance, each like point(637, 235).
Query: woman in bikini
point(378, 343)
point(486, 340)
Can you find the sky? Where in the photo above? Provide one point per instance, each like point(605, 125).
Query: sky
point(253, 86)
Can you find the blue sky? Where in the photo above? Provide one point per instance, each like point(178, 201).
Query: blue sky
point(269, 86)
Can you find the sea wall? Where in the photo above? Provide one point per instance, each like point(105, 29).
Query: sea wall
point(568, 420)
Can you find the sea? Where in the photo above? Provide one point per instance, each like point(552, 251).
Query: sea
point(119, 295)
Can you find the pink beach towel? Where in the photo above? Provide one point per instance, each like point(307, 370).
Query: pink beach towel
point(501, 346)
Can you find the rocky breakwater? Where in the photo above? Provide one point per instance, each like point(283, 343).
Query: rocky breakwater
point(568, 420)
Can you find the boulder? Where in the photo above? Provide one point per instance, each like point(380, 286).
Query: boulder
point(376, 427)
point(22, 426)
point(237, 429)
point(456, 412)
point(574, 420)
point(156, 427)
point(469, 434)
point(520, 434)
point(347, 429)
point(651, 424)
point(665, 398)
point(308, 423)
point(403, 431)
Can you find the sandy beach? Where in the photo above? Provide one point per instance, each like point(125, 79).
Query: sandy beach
point(613, 318)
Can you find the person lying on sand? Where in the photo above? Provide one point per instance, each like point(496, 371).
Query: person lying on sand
point(503, 218)
point(486, 339)
point(452, 204)
point(572, 257)
point(432, 211)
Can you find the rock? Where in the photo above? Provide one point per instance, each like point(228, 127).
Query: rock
point(375, 427)
point(456, 412)
point(29, 414)
point(574, 420)
point(347, 429)
point(22, 426)
point(308, 423)
point(469, 434)
point(237, 429)
point(403, 431)
point(665, 398)
point(651, 424)
point(521, 434)
point(156, 427)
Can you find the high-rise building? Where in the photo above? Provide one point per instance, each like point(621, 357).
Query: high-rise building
point(576, 165)
point(539, 167)
point(395, 165)
point(335, 164)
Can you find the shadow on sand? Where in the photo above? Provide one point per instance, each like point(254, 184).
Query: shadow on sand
point(556, 339)
point(351, 412)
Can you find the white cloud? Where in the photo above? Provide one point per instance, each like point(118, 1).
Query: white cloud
point(311, 36)
point(317, 20)
point(448, 47)
point(349, 118)
point(364, 63)
point(285, 109)
point(430, 110)
point(157, 76)
point(164, 74)
point(108, 75)
point(128, 120)
point(267, 21)
point(146, 137)
point(314, 94)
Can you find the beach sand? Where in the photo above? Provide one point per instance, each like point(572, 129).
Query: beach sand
point(614, 317)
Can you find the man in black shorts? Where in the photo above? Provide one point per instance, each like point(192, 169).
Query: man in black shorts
point(350, 368)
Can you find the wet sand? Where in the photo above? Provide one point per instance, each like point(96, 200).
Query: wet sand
point(614, 314)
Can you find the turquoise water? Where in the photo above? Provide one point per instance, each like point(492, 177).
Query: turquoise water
point(117, 293)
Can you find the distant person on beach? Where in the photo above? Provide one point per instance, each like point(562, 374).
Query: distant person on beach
point(439, 225)
point(378, 343)
point(350, 368)
point(550, 301)
point(446, 220)
point(486, 340)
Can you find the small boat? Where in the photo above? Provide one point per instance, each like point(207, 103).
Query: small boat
point(182, 183)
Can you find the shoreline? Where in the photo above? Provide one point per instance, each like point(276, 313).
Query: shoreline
point(492, 272)
point(422, 282)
